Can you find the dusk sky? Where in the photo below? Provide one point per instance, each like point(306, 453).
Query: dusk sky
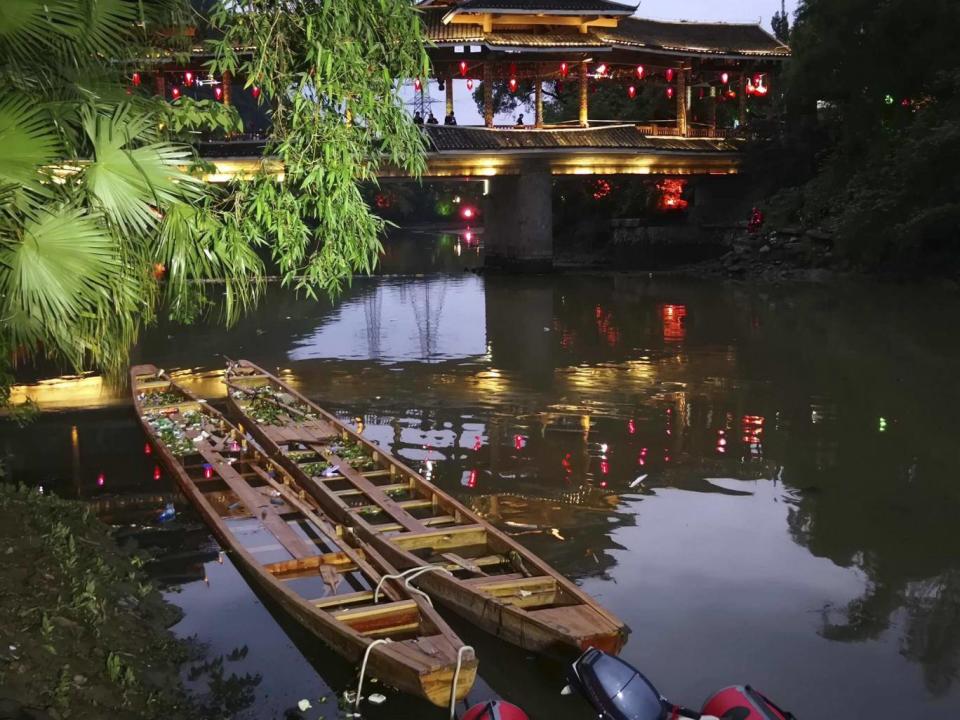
point(737, 11)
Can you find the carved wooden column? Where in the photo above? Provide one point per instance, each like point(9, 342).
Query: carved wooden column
point(584, 88)
point(712, 111)
point(227, 83)
point(449, 89)
point(682, 122)
point(487, 95)
point(538, 100)
point(161, 85)
point(742, 100)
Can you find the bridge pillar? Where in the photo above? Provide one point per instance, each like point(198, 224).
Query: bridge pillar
point(518, 220)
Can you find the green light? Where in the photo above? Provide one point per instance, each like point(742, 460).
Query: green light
point(883, 424)
point(444, 208)
point(889, 100)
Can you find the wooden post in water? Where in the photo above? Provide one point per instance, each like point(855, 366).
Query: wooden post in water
point(584, 88)
point(487, 95)
point(538, 99)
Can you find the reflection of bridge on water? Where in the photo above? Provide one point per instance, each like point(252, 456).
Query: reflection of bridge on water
point(422, 319)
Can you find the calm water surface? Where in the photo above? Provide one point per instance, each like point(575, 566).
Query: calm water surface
point(795, 527)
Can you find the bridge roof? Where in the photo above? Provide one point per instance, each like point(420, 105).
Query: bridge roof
point(454, 139)
point(674, 38)
point(551, 7)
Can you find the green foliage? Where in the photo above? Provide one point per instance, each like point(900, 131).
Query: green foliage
point(873, 98)
point(329, 79)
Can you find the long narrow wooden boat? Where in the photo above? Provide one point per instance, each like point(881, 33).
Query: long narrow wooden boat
point(286, 546)
point(474, 569)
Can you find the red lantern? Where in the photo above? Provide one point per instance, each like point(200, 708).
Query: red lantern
point(175, 92)
point(463, 68)
point(724, 77)
point(255, 91)
point(469, 83)
point(188, 78)
point(601, 70)
point(760, 89)
point(218, 92)
point(136, 79)
point(101, 480)
point(564, 69)
point(156, 472)
point(669, 75)
point(147, 449)
point(631, 92)
point(417, 85)
point(640, 72)
point(513, 85)
point(670, 93)
point(751, 88)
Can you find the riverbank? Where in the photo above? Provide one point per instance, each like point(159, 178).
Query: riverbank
point(83, 634)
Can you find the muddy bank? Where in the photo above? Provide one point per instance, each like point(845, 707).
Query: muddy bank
point(83, 634)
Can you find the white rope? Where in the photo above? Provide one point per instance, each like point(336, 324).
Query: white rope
point(456, 679)
point(418, 573)
point(412, 573)
point(395, 576)
point(363, 667)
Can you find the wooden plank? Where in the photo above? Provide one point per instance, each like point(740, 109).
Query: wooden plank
point(354, 491)
point(383, 618)
point(430, 522)
point(405, 504)
point(340, 561)
point(446, 539)
point(345, 599)
point(258, 505)
point(463, 563)
point(373, 492)
point(378, 610)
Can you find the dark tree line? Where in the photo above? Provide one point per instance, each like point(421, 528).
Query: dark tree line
point(871, 146)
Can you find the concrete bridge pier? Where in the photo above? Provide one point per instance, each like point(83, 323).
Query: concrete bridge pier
point(518, 220)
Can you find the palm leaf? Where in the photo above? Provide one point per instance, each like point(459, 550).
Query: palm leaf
point(58, 270)
point(30, 28)
point(109, 24)
point(130, 182)
point(29, 141)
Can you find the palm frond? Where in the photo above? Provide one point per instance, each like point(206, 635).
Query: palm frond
point(57, 271)
point(128, 180)
point(30, 28)
point(109, 24)
point(29, 141)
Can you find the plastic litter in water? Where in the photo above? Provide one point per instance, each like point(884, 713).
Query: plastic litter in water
point(304, 705)
point(377, 699)
point(638, 481)
point(169, 513)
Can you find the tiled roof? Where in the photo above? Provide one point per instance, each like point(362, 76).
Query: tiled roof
point(553, 7)
point(675, 37)
point(540, 41)
point(444, 138)
point(700, 38)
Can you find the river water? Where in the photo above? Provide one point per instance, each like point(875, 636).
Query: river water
point(762, 481)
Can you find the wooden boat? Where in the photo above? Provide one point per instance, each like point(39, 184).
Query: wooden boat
point(287, 547)
point(466, 563)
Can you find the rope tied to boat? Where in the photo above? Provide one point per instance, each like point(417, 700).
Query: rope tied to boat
point(408, 575)
point(363, 667)
point(456, 679)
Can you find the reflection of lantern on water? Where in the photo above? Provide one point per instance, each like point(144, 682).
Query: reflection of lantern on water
point(101, 480)
point(469, 480)
point(721, 442)
point(752, 426)
point(631, 426)
point(477, 444)
point(674, 322)
point(157, 474)
point(207, 471)
point(519, 442)
point(147, 449)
